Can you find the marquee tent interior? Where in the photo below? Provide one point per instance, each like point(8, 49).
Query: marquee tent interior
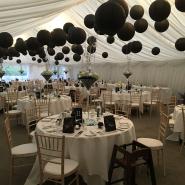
point(165, 69)
point(81, 76)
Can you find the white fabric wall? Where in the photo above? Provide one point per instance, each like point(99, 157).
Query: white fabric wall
point(162, 74)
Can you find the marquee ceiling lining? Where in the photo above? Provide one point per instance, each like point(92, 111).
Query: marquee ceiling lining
point(50, 11)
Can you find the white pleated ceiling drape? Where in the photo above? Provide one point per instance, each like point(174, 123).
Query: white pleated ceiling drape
point(25, 18)
point(19, 16)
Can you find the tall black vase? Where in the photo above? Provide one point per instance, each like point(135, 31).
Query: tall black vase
point(87, 81)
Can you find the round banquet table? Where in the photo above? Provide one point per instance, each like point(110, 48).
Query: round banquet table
point(92, 148)
point(58, 105)
point(178, 129)
point(178, 121)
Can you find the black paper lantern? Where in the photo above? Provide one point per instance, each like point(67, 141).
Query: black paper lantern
point(109, 18)
point(41, 53)
point(33, 58)
point(180, 44)
point(159, 10)
point(136, 12)
point(180, 5)
point(5, 57)
point(45, 60)
point(97, 30)
point(6, 39)
point(44, 37)
point(20, 46)
point(51, 51)
point(67, 26)
point(10, 58)
point(13, 52)
point(126, 49)
point(32, 52)
point(141, 25)
point(91, 40)
point(67, 59)
point(123, 4)
point(136, 46)
point(58, 37)
point(18, 61)
point(155, 51)
point(161, 26)
point(66, 50)
point(104, 54)
point(76, 57)
point(91, 49)
point(39, 60)
point(126, 32)
point(110, 39)
point(59, 56)
point(76, 35)
point(56, 62)
point(77, 48)
point(89, 21)
point(3, 52)
point(32, 43)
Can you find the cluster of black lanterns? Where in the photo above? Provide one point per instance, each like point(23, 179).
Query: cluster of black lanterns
point(109, 19)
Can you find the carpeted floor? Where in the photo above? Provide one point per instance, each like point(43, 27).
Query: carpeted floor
point(145, 127)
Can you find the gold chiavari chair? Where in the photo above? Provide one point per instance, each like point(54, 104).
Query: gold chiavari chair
point(108, 104)
point(153, 103)
point(32, 117)
point(183, 135)
point(135, 101)
point(53, 166)
point(43, 105)
point(159, 144)
point(18, 152)
point(123, 107)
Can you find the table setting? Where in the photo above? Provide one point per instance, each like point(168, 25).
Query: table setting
point(89, 141)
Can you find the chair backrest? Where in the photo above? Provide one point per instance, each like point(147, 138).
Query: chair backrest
point(155, 95)
point(123, 106)
point(135, 97)
point(50, 149)
point(8, 133)
point(107, 96)
point(12, 96)
point(183, 119)
point(2, 102)
point(163, 108)
point(163, 127)
point(172, 104)
point(32, 117)
point(43, 104)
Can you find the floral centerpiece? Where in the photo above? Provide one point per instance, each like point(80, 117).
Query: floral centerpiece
point(21, 71)
point(47, 74)
point(87, 78)
point(2, 73)
point(55, 72)
point(127, 74)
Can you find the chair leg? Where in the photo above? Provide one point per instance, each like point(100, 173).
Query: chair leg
point(77, 179)
point(182, 145)
point(11, 172)
point(164, 161)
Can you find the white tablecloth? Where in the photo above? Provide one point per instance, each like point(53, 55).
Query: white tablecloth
point(178, 130)
point(178, 121)
point(92, 152)
point(58, 105)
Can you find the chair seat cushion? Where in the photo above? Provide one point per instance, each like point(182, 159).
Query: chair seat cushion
point(24, 150)
point(14, 112)
point(171, 122)
point(150, 103)
point(154, 144)
point(134, 104)
point(43, 114)
point(52, 169)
